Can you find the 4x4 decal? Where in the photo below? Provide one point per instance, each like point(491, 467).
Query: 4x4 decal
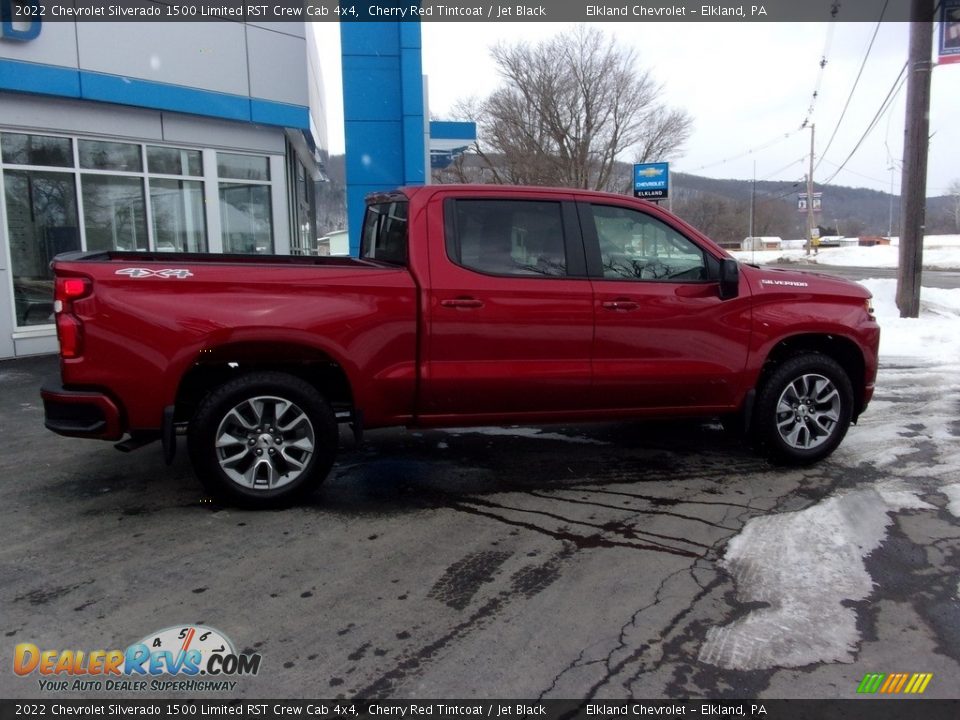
point(180, 274)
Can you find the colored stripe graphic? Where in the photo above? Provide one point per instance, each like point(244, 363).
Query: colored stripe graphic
point(889, 683)
point(894, 683)
point(871, 683)
point(927, 677)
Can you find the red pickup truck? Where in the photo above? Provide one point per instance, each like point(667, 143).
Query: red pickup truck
point(468, 305)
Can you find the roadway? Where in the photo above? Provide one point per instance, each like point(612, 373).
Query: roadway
point(931, 278)
point(618, 560)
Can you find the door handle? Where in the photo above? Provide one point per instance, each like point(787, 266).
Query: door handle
point(462, 302)
point(619, 304)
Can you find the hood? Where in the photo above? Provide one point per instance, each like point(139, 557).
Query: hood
point(766, 279)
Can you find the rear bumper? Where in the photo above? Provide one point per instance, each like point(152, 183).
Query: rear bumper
point(79, 413)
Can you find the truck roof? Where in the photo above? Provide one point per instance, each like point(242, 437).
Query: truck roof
point(413, 190)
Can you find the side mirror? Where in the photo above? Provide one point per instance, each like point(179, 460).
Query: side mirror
point(729, 278)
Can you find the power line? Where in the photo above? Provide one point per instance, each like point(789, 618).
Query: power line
point(777, 172)
point(758, 148)
point(884, 107)
point(852, 172)
point(834, 9)
point(794, 191)
point(855, 83)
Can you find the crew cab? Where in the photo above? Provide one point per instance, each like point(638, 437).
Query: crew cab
point(468, 305)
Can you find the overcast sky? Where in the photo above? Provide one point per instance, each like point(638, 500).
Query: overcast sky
point(748, 86)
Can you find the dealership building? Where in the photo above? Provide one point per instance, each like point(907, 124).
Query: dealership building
point(196, 137)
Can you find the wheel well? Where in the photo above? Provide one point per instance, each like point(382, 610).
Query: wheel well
point(843, 351)
point(219, 365)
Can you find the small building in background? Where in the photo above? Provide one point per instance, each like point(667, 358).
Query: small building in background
point(334, 243)
point(768, 242)
point(872, 240)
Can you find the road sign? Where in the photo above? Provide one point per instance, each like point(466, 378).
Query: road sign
point(802, 202)
point(651, 181)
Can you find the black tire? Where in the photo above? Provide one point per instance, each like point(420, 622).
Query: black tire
point(803, 409)
point(277, 440)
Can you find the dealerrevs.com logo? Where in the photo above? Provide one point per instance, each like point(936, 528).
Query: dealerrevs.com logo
point(183, 658)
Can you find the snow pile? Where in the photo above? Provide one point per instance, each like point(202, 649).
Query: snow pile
point(934, 336)
point(804, 565)
point(953, 496)
point(940, 252)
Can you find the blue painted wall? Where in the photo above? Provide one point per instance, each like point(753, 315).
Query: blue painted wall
point(383, 112)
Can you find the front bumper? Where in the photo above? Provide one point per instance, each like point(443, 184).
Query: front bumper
point(79, 413)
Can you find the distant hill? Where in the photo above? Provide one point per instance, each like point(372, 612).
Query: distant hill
point(719, 208)
point(848, 210)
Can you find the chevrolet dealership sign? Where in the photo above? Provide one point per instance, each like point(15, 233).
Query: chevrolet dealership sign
point(651, 180)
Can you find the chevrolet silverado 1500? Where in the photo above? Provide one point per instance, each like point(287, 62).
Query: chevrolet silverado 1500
point(468, 305)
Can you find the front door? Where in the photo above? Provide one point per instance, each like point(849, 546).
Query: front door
point(664, 338)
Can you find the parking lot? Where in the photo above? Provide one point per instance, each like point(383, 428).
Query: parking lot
point(600, 561)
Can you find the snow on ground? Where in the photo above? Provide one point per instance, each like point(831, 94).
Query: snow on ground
point(940, 252)
point(953, 495)
point(934, 336)
point(804, 565)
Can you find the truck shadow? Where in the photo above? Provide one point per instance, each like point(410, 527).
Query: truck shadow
point(395, 470)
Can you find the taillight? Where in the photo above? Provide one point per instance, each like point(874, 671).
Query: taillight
point(70, 335)
point(69, 327)
point(68, 289)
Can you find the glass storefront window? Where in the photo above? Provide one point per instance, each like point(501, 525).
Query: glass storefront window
point(98, 155)
point(246, 218)
point(114, 212)
point(174, 161)
point(41, 223)
point(179, 224)
point(243, 167)
point(20, 149)
point(70, 193)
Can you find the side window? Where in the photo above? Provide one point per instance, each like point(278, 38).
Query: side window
point(635, 246)
point(384, 234)
point(508, 237)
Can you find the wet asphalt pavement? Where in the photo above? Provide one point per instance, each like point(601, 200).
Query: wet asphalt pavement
point(931, 278)
point(559, 562)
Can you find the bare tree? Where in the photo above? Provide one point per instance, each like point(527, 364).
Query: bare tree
point(571, 107)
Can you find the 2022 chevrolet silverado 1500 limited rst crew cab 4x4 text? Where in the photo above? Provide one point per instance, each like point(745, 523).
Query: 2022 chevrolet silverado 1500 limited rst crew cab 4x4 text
point(468, 305)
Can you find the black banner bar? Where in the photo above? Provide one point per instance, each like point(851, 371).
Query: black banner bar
point(894, 708)
point(462, 10)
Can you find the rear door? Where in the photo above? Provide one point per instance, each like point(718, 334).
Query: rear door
point(510, 309)
point(664, 338)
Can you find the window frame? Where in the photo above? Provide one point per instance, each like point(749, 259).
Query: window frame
point(576, 265)
point(595, 256)
point(393, 200)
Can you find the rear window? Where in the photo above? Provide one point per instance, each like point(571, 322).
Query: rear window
point(385, 233)
point(508, 237)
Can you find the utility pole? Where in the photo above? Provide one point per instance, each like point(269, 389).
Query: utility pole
point(916, 141)
point(753, 197)
point(810, 220)
point(890, 218)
